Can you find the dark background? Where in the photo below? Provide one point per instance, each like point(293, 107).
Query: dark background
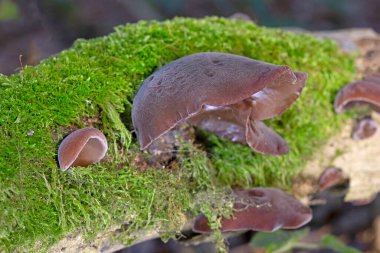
point(36, 29)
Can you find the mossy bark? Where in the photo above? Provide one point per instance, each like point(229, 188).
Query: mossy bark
point(94, 82)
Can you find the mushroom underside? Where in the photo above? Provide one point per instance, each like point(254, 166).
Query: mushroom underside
point(241, 127)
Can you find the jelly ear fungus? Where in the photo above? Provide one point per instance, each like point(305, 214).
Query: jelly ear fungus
point(81, 148)
point(260, 209)
point(226, 94)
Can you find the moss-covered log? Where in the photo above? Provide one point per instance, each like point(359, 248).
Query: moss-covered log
point(94, 82)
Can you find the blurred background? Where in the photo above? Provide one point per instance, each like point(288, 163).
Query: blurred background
point(31, 30)
point(36, 29)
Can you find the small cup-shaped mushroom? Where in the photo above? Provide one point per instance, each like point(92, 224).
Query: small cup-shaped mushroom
point(81, 148)
point(223, 93)
point(364, 128)
point(260, 209)
point(331, 177)
point(365, 91)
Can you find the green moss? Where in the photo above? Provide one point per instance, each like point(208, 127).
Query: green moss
point(98, 78)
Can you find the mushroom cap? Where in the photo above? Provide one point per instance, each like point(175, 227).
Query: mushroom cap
point(81, 148)
point(261, 209)
point(366, 90)
point(185, 87)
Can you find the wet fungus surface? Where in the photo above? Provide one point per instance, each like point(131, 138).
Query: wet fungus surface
point(81, 148)
point(226, 94)
point(260, 209)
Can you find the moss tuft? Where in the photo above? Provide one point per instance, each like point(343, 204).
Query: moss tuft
point(98, 78)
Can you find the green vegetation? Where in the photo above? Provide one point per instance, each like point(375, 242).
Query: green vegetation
point(284, 241)
point(8, 10)
point(97, 79)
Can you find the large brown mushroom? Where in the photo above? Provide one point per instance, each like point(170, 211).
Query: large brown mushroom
point(260, 209)
point(81, 148)
point(223, 93)
point(365, 91)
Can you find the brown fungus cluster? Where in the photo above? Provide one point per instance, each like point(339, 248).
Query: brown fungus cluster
point(260, 209)
point(226, 94)
point(367, 92)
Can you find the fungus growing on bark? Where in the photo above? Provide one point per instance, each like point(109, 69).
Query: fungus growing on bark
point(223, 93)
point(364, 128)
point(260, 209)
point(330, 177)
point(365, 91)
point(81, 148)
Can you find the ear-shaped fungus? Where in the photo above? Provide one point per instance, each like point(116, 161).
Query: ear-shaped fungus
point(260, 209)
point(366, 90)
point(223, 93)
point(331, 177)
point(81, 148)
point(364, 128)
